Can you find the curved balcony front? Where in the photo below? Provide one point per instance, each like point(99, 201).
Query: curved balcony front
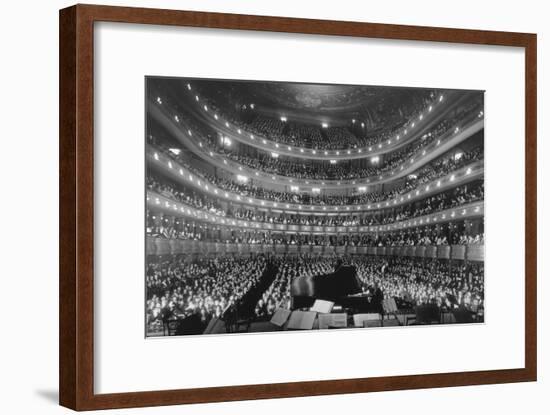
point(158, 202)
point(414, 128)
point(180, 173)
point(466, 129)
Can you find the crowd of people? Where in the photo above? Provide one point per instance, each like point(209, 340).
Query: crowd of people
point(278, 293)
point(350, 169)
point(414, 281)
point(467, 232)
point(464, 194)
point(183, 195)
point(178, 286)
point(458, 196)
point(431, 171)
point(452, 198)
point(378, 127)
point(438, 235)
point(205, 287)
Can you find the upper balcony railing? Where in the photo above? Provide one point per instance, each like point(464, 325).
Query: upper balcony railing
point(156, 201)
point(412, 128)
point(467, 127)
point(194, 179)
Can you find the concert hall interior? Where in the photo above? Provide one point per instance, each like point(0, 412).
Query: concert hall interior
point(274, 206)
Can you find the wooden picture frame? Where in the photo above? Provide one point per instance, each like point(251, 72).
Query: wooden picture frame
point(76, 277)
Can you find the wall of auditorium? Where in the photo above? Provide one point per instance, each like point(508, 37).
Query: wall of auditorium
point(28, 358)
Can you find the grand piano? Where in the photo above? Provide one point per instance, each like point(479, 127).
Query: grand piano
point(342, 287)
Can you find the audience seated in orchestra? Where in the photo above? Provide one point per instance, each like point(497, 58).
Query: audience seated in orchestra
point(413, 280)
point(178, 286)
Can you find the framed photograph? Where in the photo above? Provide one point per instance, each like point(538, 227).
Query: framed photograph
point(258, 207)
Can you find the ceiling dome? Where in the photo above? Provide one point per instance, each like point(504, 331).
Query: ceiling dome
point(317, 103)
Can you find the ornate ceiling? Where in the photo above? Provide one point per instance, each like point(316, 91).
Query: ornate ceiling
point(315, 103)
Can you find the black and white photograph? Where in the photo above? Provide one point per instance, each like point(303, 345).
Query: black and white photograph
point(283, 206)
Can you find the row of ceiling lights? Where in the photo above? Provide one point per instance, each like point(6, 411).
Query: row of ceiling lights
point(400, 225)
point(374, 159)
point(227, 195)
point(323, 125)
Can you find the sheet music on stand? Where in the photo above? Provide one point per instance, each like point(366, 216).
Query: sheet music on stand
point(301, 320)
point(322, 306)
point(335, 320)
point(280, 317)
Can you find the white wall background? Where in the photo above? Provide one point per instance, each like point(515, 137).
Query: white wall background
point(28, 161)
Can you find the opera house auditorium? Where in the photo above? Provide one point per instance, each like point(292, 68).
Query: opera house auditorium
point(275, 206)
